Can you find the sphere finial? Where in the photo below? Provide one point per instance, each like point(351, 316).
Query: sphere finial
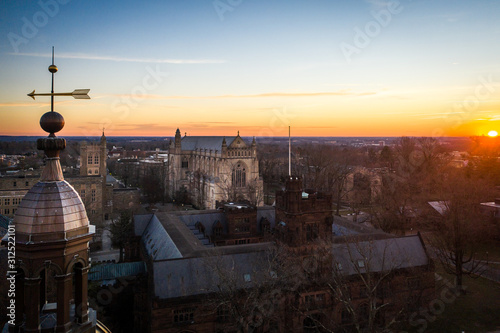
point(52, 68)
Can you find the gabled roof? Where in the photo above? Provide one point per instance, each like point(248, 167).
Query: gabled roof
point(440, 206)
point(158, 243)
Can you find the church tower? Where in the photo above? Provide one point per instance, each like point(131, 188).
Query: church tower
point(52, 234)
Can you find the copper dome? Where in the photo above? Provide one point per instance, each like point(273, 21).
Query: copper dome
point(50, 211)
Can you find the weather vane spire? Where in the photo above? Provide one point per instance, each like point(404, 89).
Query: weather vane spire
point(52, 121)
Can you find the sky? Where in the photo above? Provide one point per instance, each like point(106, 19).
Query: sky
point(215, 67)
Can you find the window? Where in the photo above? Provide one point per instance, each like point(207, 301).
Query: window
point(184, 315)
point(90, 172)
point(27, 184)
point(363, 313)
point(361, 263)
point(414, 283)
point(184, 164)
point(314, 300)
point(384, 290)
point(14, 211)
point(96, 171)
point(93, 195)
point(82, 194)
point(247, 277)
point(96, 159)
point(363, 292)
point(311, 323)
point(239, 177)
point(345, 316)
point(311, 231)
point(241, 225)
point(15, 201)
point(89, 159)
point(15, 184)
point(222, 314)
point(217, 229)
point(7, 202)
point(265, 225)
point(7, 211)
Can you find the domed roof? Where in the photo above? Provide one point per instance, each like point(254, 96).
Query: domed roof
point(51, 210)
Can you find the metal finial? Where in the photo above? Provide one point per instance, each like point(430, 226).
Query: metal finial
point(52, 121)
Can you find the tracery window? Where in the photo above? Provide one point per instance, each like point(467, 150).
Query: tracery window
point(239, 177)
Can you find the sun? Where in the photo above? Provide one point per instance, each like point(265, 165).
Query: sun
point(492, 133)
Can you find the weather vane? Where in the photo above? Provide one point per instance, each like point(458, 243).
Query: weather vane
point(52, 121)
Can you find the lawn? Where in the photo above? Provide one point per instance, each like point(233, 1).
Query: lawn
point(477, 311)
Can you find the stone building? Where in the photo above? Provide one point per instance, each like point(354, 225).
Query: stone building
point(215, 169)
point(194, 285)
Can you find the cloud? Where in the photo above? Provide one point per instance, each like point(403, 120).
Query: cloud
point(120, 59)
point(263, 95)
point(23, 104)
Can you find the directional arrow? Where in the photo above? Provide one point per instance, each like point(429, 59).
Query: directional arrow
point(77, 94)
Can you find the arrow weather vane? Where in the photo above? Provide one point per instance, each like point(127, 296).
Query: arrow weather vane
point(52, 121)
point(77, 93)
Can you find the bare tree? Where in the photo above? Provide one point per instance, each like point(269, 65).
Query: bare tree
point(462, 227)
point(365, 281)
point(121, 231)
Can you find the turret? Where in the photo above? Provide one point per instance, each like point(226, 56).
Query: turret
point(177, 141)
point(224, 148)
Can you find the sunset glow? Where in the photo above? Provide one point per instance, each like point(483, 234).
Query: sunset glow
point(493, 134)
point(256, 68)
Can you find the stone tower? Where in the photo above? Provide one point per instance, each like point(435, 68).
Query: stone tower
point(303, 219)
point(93, 158)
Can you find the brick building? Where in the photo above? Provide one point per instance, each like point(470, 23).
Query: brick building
point(276, 275)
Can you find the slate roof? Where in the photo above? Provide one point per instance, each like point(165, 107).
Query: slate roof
point(205, 142)
point(114, 270)
point(158, 243)
point(4, 222)
point(195, 276)
point(380, 255)
point(198, 275)
point(206, 218)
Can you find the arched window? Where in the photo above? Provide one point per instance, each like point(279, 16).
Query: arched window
point(200, 227)
point(265, 226)
point(217, 229)
point(89, 159)
point(239, 177)
point(312, 323)
point(96, 159)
